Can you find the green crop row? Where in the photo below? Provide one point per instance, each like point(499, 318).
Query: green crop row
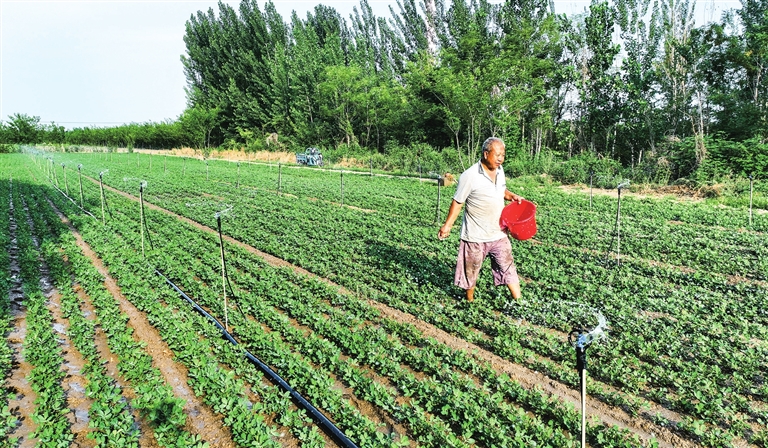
point(222, 390)
point(672, 329)
point(7, 420)
point(40, 346)
point(293, 302)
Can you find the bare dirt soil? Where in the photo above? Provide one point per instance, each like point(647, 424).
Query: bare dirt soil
point(22, 402)
point(202, 420)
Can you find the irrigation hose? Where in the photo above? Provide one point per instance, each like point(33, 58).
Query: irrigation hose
point(337, 434)
point(72, 201)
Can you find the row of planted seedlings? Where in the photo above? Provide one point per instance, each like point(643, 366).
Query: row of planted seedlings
point(7, 242)
point(379, 346)
point(424, 273)
point(685, 401)
point(222, 389)
point(564, 373)
point(40, 348)
point(111, 419)
point(302, 375)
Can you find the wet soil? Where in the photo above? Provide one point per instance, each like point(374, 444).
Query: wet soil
point(202, 420)
point(22, 401)
point(74, 383)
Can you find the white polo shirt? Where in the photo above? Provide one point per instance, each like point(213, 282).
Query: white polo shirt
point(483, 202)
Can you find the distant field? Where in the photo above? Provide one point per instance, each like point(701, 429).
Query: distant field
point(338, 283)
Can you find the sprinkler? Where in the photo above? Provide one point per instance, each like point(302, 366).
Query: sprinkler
point(437, 207)
point(101, 188)
point(751, 180)
point(591, 175)
point(66, 184)
point(621, 186)
point(206, 169)
point(342, 188)
point(141, 214)
point(80, 178)
point(279, 178)
point(218, 216)
point(580, 338)
point(237, 184)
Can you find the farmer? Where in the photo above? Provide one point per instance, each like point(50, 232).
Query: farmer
point(484, 189)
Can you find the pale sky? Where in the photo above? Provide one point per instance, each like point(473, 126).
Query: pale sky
point(109, 62)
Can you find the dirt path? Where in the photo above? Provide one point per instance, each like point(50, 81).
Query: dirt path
point(528, 378)
point(146, 437)
point(24, 397)
point(202, 420)
point(73, 383)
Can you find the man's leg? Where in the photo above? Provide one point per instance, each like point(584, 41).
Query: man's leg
point(468, 265)
point(503, 265)
point(514, 288)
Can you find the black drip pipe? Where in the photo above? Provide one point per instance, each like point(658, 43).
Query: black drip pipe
point(337, 434)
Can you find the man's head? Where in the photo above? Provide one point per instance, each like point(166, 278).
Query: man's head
point(493, 152)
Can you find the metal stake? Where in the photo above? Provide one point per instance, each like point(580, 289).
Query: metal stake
point(591, 173)
point(66, 184)
point(101, 187)
point(237, 184)
point(80, 178)
point(618, 229)
point(751, 179)
point(342, 188)
point(223, 273)
point(279, 177)
point(437, 208)
point(141, 216)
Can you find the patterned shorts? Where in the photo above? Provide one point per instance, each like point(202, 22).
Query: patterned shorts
point(471, 256)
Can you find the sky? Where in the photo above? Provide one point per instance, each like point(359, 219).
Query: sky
point(109, 62)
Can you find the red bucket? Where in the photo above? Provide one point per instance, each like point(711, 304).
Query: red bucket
point(519, 220)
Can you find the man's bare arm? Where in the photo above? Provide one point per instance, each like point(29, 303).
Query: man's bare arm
point(453, 213)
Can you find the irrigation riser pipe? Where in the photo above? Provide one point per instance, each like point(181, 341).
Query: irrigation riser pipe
point(437, 207)
point(101, 188)
point(618, 229)
point(223, 273)
point(80, 178)
point(315, 413)
point(66, 184)
point(750, 199)
point(71, 200)
point(141, 218)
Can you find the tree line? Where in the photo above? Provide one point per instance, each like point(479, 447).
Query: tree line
point(633, 82)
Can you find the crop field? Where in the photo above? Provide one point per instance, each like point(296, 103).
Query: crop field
point(336, 282)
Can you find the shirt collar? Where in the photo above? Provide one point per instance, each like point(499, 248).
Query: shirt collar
point(481, 170)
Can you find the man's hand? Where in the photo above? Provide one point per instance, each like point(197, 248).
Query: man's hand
point(509, 196)
point(444, 232)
